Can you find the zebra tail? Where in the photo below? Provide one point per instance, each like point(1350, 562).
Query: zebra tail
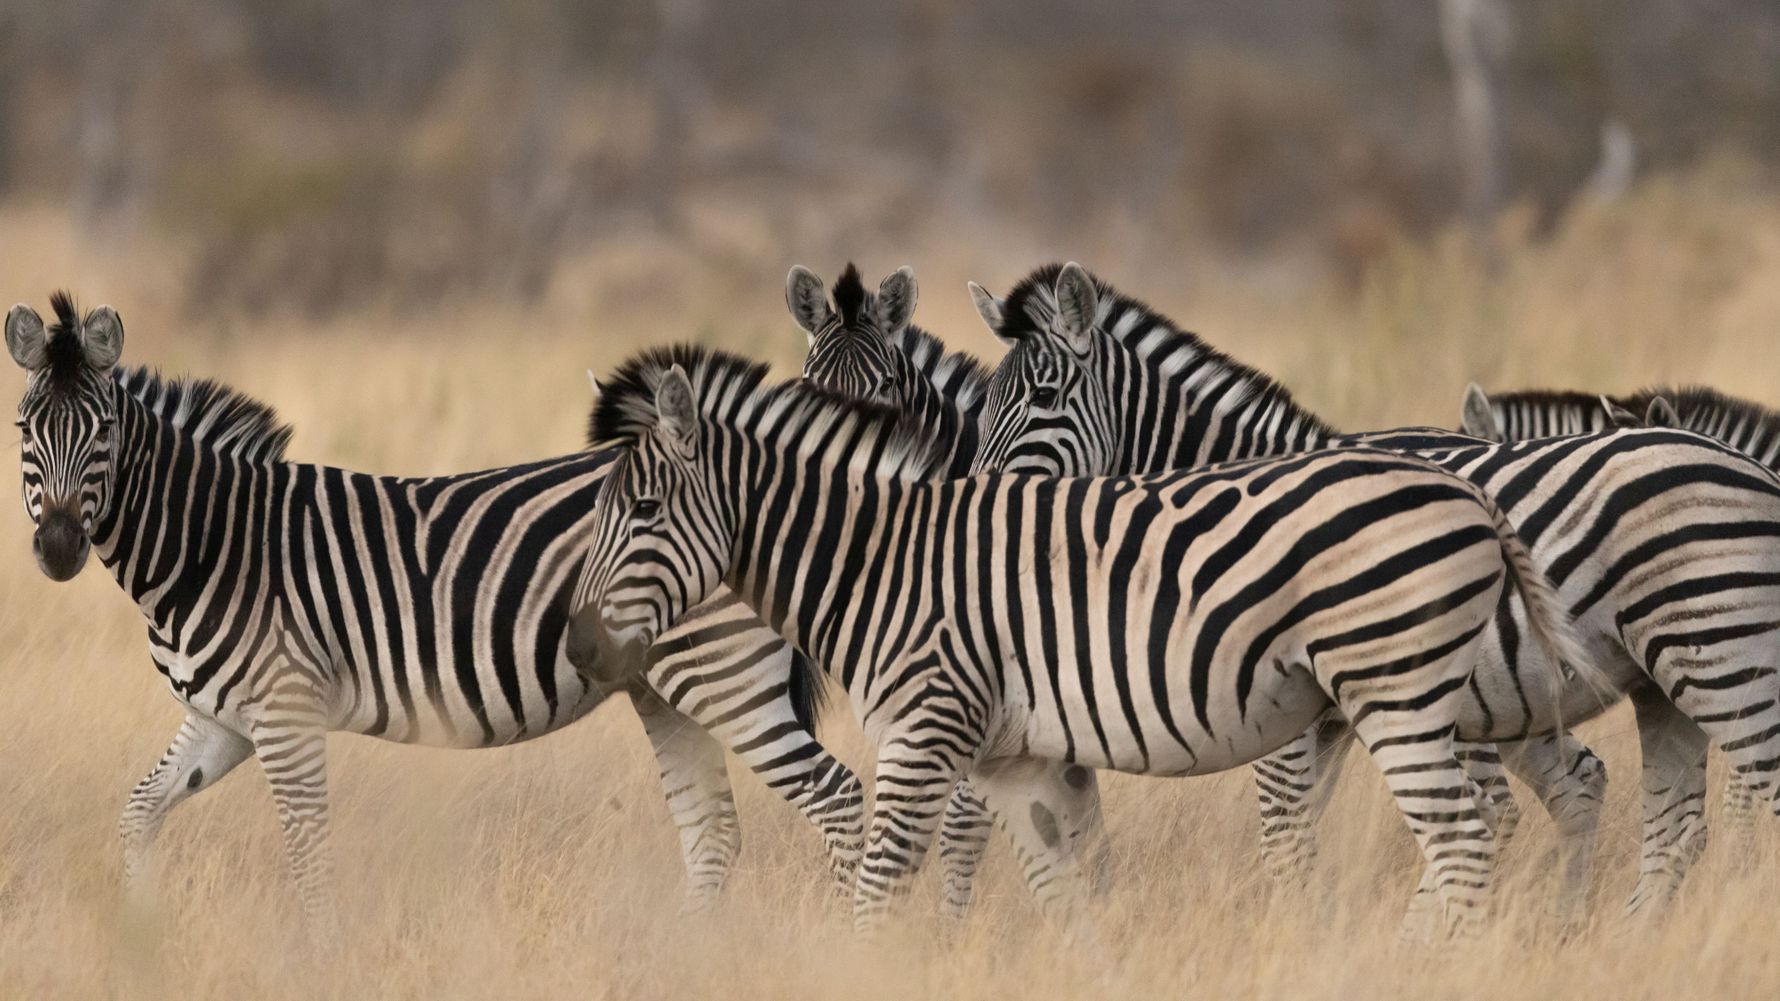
point(1549, 621)
point(808, 691)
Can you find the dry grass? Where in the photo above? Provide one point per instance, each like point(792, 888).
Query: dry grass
point(549, 869)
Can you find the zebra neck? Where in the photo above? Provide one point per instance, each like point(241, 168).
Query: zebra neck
point(1756, 435)
point(1182, 403)
point(949, 391)
point(953, 431)
point(816, 547)
point(173, 502)
point(1547, 416)
point(1184, 428)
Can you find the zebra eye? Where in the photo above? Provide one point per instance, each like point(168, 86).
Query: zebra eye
point(645, 509)
point(1044, 397)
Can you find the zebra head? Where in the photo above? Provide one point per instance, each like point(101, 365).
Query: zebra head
point(854, 343)
point(65, 422)
point(660, 541)
point(1049, 409)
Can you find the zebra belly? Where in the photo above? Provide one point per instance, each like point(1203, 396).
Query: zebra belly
point(492, 720)
point(1281, 705)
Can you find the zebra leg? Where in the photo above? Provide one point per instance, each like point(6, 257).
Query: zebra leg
point(202, 752)
point(1068, 793)
point(1294, 785)
point(291, 743)
point(777, 747)
point(695, 782)
point(1489, 781)
point(1051, 813)
point(734, 677)
point(1439, 806)
point(963, 837)
point(1571, 782)
point(917, 768)
point(1739, 812)
point(1674, 795)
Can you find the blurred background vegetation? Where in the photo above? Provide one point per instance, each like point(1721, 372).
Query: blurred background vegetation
point(1399, 174)
point(411, 224)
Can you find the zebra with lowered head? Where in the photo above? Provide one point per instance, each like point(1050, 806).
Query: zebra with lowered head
point(285, 600)
point(1171, 625)
point(1663, 544)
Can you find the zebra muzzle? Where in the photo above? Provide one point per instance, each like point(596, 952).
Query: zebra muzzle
point(60, 545)
point(599, 655)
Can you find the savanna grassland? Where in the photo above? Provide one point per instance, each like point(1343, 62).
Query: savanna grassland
point(550, 870)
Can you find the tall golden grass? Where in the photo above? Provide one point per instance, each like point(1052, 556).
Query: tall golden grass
point(550, 870)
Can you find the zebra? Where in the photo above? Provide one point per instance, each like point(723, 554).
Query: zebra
point(864, 346)
point(1173, 625)
point(284, 600)
point(1662, 543)
point(1744, 425)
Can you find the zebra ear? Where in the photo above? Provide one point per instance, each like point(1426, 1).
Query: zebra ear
point(102, 338)
point(1618, 416)
point(808, 300)
point(1476, 417)
point(676, 411)
point(896, 300)
point(25, 338)
point(990, 309)
point(1661, 414)
point(1077, 303)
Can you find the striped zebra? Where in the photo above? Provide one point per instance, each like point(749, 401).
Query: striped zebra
point(863, 346)
point(285, 600)
point(1744, 425)
point(1171, 625)
point(1663, 544)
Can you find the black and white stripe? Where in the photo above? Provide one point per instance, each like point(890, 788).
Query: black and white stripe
point(285, 600)
point(864, 346)
point(1176, 624)
point(1744, 425)
point(1663, 544)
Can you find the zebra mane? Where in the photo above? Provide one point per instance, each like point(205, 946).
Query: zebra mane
point(732, 390)
point(625, 410)
point(958, 375)
point(1154, 338)
point(65, 360)
point(211, 413)
point(849, 295)
point(1550, 398)
point(1700, 407)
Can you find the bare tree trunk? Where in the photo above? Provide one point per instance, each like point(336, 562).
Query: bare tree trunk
point(674, 78)
point(1618, 164)
point(122, 53)
point(1476, 35)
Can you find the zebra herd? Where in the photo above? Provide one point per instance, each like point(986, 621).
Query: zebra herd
point(1116, 549)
